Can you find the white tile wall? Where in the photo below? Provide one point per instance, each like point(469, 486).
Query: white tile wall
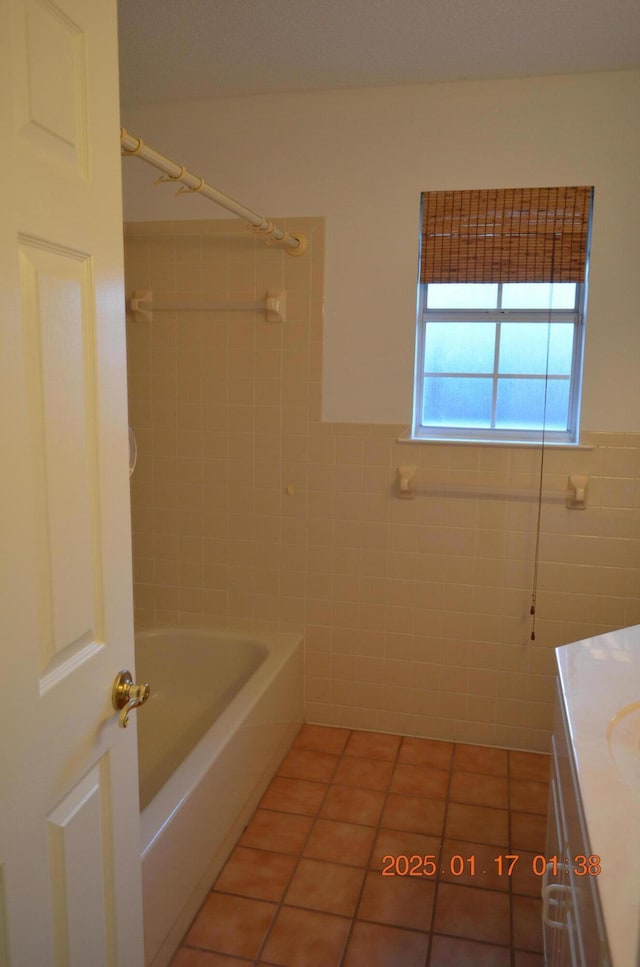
point(250, 512)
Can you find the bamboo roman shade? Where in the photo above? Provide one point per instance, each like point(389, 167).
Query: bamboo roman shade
point(505, 235)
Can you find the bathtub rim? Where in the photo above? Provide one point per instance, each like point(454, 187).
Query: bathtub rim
point(187, 776)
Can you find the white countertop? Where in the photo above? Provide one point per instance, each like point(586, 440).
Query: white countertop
point(599, 677)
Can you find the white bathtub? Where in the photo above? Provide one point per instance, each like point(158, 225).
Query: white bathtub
point(225, 708)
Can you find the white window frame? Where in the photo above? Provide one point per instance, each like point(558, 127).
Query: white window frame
point(498, 315)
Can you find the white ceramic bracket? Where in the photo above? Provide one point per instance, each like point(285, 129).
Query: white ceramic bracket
point(135, 305)
point(405, 475)
point(276, 305)
point(577, 491)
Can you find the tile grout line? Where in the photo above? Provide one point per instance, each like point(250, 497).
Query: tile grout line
point(370, 856)
point(512, 958)
point(316, 816)
point(440, 858)
point(341, 757)
point(280, 903)
point(300, 856)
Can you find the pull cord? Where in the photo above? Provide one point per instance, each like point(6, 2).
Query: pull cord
point(536, 556)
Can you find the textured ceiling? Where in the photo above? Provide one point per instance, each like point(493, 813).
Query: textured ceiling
point(172, 50)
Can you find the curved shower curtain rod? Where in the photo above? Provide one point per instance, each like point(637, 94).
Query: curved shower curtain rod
point(294, 243)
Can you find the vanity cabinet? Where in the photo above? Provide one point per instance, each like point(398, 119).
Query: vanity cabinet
point(573, 928)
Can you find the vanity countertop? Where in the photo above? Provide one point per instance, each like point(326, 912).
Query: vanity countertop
point(600, 682)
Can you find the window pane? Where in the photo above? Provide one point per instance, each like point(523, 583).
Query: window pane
point(457, 401)
point(462, 295)
point(538, 295)
point(459, 347)
point(523, 348)
point(520, 404)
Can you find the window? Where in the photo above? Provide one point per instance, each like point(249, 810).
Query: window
point(501, 314)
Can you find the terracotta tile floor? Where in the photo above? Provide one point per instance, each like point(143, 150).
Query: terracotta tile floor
point(304, 887)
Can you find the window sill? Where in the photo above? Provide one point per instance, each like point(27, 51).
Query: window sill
point(457, 441)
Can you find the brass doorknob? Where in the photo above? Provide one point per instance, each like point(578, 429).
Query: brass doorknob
point(126, 696)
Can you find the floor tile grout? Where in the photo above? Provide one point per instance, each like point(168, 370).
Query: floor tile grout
point(265, 939)
point(330, 782)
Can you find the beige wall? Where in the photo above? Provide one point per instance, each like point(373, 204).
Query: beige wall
point(416, 613)
point(360, 158)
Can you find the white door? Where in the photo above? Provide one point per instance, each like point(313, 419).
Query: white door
point(70, 891)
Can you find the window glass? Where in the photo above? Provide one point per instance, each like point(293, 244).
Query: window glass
point(457, 401)
point(462, 295)
point(538, 295)
point(524, 347)
point(520, 404)
point(459, 347)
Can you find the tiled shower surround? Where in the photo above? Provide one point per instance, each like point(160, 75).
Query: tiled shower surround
point(250, 512)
